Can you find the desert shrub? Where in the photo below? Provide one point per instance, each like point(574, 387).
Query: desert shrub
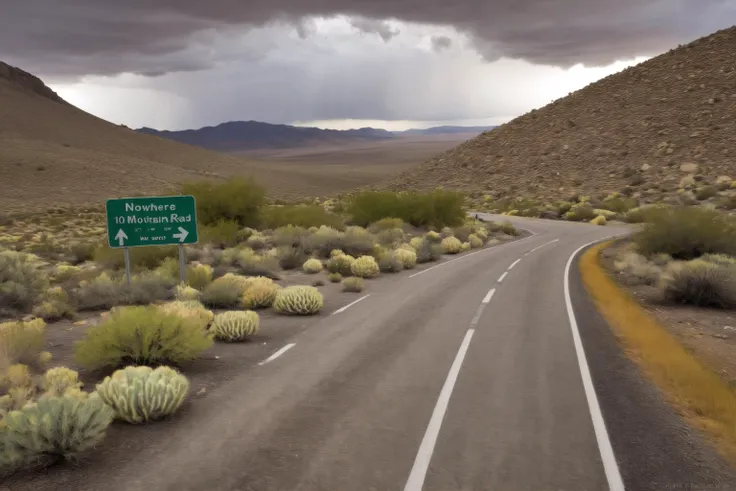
point(641, 214)
point(324, 241)
point(312, 266)
point(433, 236)
point(199, 276)
point(235, 325)
point(237, 199)
point(139, 394)
point(637, 270)
point(301, 216)
point(248, 263)
point(52, 429)
point(390, 263)
point(505, 227)
point(390, 237)
point(223, 233)
point(719, 259)
point(59, 381)
point(55, 305)
point(105, 291)
point(141, 336)
point(22, 342)
point(22, 283)
point(365, 267)
point(291, 236)
point(257, 242)
point(291, 257)
point(353, 285)
point(341, 264)
point(334, 277)
point(429, 251)
point(580, 213)
point(260, 293)
point(437, 208)
point(687, 233)
point(185, 293)
point(599, 220)
point(407, 257)
point(415, 242)
point(602, 212)
point(387, 223)
point(140, 257)
point(80, 252)
point(700, 283)
point(618, 204)
point(463, 233)
point(64, 272)
point(660, 259)
point(225, 292)
point(706, 192)
point(189, 309)
point(298, 300)
point(475, 241)
point(356, 241)
point(451, 245)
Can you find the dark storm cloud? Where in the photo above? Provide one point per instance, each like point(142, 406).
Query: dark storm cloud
point(373, 26)
point(441, 42)
point(154, 36)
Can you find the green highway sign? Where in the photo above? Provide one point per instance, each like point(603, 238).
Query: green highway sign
point(159, 220)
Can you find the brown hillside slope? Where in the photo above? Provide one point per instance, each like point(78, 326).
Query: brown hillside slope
point(54, 154)
point(636, 128)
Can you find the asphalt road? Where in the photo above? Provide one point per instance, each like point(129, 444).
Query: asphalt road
point(488, 372)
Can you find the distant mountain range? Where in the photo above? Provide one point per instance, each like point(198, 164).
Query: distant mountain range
point(238, 136)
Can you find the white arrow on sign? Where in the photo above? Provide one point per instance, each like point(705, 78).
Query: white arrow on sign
point(182, 235)
point(120, 236)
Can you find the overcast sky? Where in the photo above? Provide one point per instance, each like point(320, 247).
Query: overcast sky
point(174, 64)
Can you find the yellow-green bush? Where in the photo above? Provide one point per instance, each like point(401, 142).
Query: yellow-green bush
point(700, 283)
point(185, 292)
point(312, 266)
point(429, 251)
point(139, 394)
point(22, 282)
point(390, 262)
point(353, 284)
point(235, 325)
point(334, 277)
point(238, 199)
point(301, 216)
point(475, 241)
point(416, 242)
point(59, 381)
point(436, 208)
point(407, 257)
point(433, 236)
point(190, 309)
point(298, 300)
point(141, 335)
point(223, 233)
point(607, 214)
point(451, 245)
point(599, 220)
point(22, 342)
point(336, 252)
point(341, 264)
point(106, 291)
point(55, 305)
point(198, 276)
point(387, 223)
point(365, 267)
point(225, 291)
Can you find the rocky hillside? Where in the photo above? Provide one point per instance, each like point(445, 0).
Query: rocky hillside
point(649, 131)
point(25, 81)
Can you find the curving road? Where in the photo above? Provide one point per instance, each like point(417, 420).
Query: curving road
point(488, 372)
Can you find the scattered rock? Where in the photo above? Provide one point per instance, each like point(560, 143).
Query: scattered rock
point(689, 167)
point(646, 167)
point(724, 180)
point(720, 336)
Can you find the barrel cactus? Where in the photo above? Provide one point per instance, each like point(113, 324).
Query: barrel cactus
point(407, 257)
point(139, 394)
point(312, 266)
point(54, 428)
point(235, 325)
point(260, 293)
point(451, 245)
point(341, 264)
point(365, 267)
point(475, 241)
point(298, 300)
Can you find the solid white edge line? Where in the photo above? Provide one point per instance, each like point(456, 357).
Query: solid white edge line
point(503, 276)
point(278, 353)
point(613, 475)
point(424, 454)
point(489, 295)
point(513, 264)
point(472, 253)
point(343, 309)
